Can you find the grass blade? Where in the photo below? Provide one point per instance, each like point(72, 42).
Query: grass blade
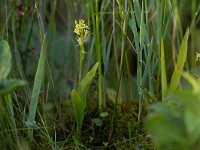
point(163, 70)
point(7, 86)
point(142, 28)
point(176, 76)
point(38, 81)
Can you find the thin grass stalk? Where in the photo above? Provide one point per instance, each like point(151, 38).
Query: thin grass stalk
point(52, 15)
point(6, 22)
point(193, 29)
point(158, 32)
point(4, 126)
point(115, 111)
point(29, 36)
point(177, 19)
point(100, 87)
point(140, 64)
point(121, 66)
point(12, 118)
point(163, 70)
point(125, 28)
point(129, 76)
point(80, 66)
point(174, 31)
point(114, 39)
point(18, 59)
point(95, 23)
point(22, 24)
point(52, 25)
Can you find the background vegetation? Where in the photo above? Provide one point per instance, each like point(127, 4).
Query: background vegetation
point(139, 85)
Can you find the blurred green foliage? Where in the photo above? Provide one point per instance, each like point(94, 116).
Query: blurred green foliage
point(174, 122)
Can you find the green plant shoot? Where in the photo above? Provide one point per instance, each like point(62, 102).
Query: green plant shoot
point(79, 99)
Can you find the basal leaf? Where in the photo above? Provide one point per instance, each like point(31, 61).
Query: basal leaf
point(78, 107)
point(85, 83)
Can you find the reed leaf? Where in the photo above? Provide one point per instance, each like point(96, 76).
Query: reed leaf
point(176, 76)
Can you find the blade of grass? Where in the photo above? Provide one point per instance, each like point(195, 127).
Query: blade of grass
point(95, 22)
point(163, 70)
point(140, 62)
point(176, 76)
point(39, 76)
point(38, 81)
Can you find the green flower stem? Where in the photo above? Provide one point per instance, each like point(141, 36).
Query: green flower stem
point(80, 66)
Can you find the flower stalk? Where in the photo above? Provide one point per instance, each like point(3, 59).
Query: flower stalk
point(81, 30)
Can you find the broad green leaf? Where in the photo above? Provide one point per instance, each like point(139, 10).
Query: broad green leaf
point(78, 107)
point(163, 70)
point(85, 83)
point(192, 122)
point(5, 60)
point(38, 81)
point(176, 76)
point(7, 86)
point(164, 130)
point(164, 124)
point(190, 102)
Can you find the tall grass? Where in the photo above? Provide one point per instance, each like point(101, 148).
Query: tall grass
point(95, 22)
